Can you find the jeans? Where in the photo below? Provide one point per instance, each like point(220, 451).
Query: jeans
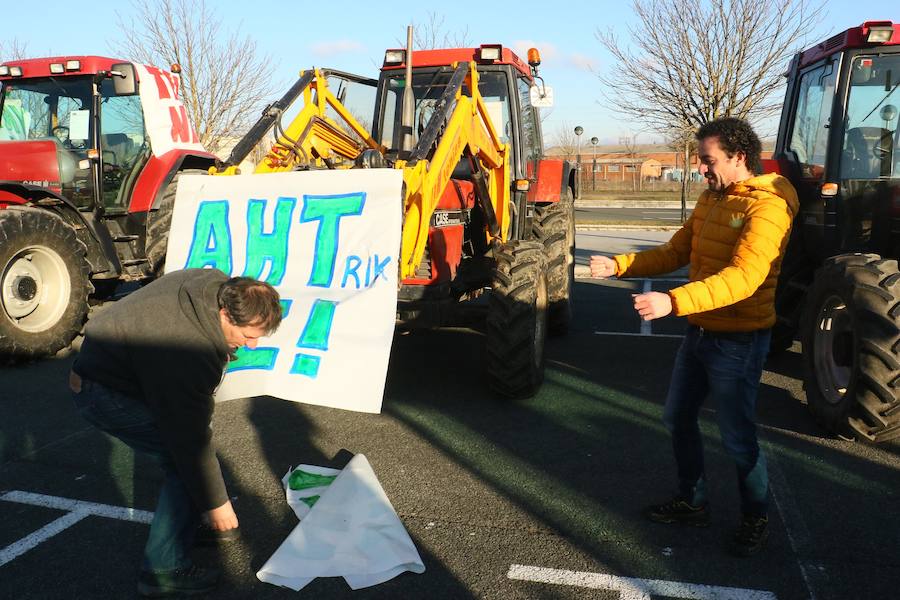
point(176, 517)
point(724, 367)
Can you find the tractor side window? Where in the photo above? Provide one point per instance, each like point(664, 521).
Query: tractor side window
point(392, 99)
point(809, 136)
point(123, 141)
point(495, 95)
point(871, 132)
point(531, 143)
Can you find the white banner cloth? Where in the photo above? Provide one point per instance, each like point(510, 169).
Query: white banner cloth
point(352, 531)
point(329, 242)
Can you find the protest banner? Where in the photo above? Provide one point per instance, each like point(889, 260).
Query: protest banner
point(329, 243)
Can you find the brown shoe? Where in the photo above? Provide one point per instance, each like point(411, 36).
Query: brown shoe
point(679, 511)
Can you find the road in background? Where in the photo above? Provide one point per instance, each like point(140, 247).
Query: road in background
point(671, 216)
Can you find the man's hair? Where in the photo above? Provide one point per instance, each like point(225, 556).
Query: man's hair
point(735, 135)
point(248, 301)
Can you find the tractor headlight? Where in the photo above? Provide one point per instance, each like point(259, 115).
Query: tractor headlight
point(490, 53)
point(394, 57)
point(879, 34)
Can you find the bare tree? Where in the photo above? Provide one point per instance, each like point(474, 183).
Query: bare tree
point(224, 81)
point(629, 145)
point(687, 66)
point(433, 34)
point(564, 138)
point(12, 49)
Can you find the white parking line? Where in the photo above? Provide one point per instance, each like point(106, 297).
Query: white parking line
point(628, 334)
point(76, 509)
point(634, 589)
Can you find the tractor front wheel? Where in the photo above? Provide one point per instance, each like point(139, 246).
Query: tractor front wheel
point(851, 347)
point(554, 227)
point(43, 283)
point(159, 221)
point(517, 320)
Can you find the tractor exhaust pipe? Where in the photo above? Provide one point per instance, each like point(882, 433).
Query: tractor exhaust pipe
point(409, 100)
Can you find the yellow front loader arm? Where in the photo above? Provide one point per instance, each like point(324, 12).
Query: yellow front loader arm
point(459, 127)
point(468, 131)
point(312, 139)
point(313, 136)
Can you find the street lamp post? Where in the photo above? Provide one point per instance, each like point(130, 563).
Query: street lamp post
point(594, 141)
point(578, 131)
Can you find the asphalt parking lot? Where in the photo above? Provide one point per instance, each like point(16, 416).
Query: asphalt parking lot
point(532, 499)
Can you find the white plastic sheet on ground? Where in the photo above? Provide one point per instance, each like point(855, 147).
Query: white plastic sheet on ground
point(351, 531)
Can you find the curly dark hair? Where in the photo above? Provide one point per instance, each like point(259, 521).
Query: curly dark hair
point(735, 135)
point(248, 301)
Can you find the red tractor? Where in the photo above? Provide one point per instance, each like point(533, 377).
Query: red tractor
point(484, 210)
point(90, 149)
point(839, 143)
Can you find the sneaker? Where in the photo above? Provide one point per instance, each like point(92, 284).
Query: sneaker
point(187, 582)
point(750, 537)
point(204, 536)
point(678, 511)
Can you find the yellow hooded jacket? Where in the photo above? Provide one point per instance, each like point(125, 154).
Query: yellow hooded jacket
point(734, 241)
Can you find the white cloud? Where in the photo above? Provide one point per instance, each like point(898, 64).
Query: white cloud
point(331, 48)
point(582, 62)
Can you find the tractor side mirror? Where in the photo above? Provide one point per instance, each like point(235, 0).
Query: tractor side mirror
point(124, 80)
point(541, 96)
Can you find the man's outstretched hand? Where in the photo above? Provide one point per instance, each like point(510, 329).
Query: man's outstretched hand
point(602, 266)
point(652, 305)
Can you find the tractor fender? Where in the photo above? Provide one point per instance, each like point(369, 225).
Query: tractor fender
point(101, 253)
point(158, 173)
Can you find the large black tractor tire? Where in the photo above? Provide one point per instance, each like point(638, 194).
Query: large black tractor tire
point(517, 320)
point(44, 284)
point(159, 222)
point(851, 347)
point(554, 227)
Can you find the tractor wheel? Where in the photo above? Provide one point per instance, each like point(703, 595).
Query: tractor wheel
point(44, 279)
point(517, 320)
point(554, 227)
point(793, 286)
point(851, 347)
point(158, 223)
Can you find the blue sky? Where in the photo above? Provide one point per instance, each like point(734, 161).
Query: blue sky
point(352, 36)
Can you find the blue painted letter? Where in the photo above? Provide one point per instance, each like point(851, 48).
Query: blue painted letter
point(328, 210)
point(211, 246)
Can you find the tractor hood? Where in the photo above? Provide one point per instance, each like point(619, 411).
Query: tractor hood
point(36, 163)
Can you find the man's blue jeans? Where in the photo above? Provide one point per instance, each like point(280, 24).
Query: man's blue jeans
point(176, 518)
point(726, 368)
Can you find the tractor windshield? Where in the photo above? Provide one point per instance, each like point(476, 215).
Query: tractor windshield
point(427, 88)
point(57, 109)
point(871, 132)
point(47, 108)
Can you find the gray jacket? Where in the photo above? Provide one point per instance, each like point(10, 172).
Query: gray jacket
point(164, 345)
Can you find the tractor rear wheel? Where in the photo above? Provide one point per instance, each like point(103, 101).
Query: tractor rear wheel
point(793, 286)
point(43, 283)
point(159, 222)
point(517, 320)
point(554, 227)
point(851, 347)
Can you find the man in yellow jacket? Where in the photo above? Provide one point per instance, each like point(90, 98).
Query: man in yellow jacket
point(734, 241)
